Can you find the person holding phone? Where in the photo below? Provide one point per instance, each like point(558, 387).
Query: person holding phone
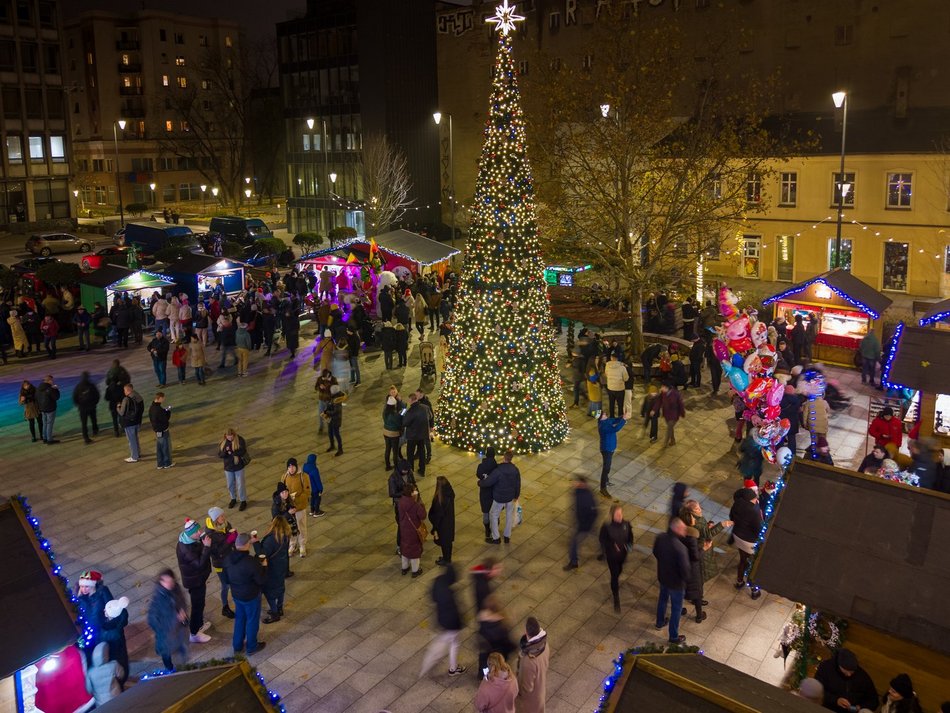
point(233, 453)
point(499, 687)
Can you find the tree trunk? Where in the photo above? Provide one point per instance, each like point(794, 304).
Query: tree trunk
point(636, 322)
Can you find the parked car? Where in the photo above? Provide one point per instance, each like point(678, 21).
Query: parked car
point(257, 256)
point(48, 243)
point(113, 255)
point(32, 264)
point(151, 236)
point(240, 230)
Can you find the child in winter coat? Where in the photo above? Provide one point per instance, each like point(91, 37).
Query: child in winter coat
point(593, 391)
point(180, 360)
point(103, 675)
point(316, 485)
point(651, 415)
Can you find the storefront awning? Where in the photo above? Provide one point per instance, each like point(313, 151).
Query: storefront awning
point(863, 548)
point(837, 287)
point(919, 359)
point(36, 617)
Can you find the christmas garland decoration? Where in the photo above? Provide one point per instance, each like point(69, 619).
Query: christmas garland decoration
point(809, 641)
point(618, 665)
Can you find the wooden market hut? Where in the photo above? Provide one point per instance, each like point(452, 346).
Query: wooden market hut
point(920, 360)
point(103, 284)
point(197, 274)
point(936, 314)
point(847, 309)
point(36, 615)
point(414, 251)
point(873, 552)
point(228, 688)
point(693, 683)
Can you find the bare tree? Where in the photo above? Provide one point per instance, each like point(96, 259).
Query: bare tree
point(647, 171)
point(386, 184)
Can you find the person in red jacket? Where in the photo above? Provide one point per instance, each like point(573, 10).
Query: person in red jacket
point(670, 405)
point(886, 428)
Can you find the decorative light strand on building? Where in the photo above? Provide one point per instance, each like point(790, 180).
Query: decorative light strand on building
point(891, 353)
point(821, 281)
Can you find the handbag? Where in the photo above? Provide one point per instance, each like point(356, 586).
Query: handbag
point(422, 531)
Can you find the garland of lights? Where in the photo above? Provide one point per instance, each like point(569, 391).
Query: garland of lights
point(820, 280)
point(272, 696)
point(888, 363)
point(88, 632)
point(502, 384)
point(939, 317)
point(618, 665)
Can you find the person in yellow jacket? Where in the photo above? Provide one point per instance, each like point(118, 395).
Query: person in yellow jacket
point(222, 536)
point(298, 483)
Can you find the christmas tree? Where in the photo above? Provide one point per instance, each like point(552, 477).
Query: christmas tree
point(502, 386)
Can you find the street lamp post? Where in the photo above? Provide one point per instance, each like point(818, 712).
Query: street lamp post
point(118, 181)
point(437, 116)
point(247, 194)
point(313, 172)
point(152, 187)
point(840, 99)
point(214, 194)
point(204, 187)
point(76, 196)
point(333, 190)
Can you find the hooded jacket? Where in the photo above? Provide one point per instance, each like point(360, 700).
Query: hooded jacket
point(533, 672)
point(607, 428)
point(103, 675)
point(46, 397)
point(85, 395)
point(857, 688)
point(585, 508)
point(446, 608)
point(313, 472)
point(194, 563)
point(401, 475)
point(745, 515)
point(170, 633)
point(131, 410)
point(672, 560)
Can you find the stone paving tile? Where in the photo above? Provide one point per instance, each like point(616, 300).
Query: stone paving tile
point(355, 628)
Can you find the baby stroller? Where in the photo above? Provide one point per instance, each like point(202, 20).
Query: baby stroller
point(427, 359)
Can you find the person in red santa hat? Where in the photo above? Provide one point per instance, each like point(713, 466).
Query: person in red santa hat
point(92, 596)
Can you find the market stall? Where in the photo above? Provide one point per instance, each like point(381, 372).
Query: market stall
point(104, 284)
point(563, 276)
point(936, 315)
point(198, 276)
point(39, 658)
point(919, 359)
point(871, 552)
point(846, 308)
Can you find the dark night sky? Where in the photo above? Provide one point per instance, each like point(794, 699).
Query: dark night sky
point(257, 17)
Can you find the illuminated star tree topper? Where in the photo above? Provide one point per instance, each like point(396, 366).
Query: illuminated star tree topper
point(505, 18)
point(502, 385)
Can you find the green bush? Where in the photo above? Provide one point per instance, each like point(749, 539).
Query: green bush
point(232, 249)
point(343, 232)
point(59, 273)
point(136, 208)
point(308, 241)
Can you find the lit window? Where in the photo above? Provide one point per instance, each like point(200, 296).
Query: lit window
point(899, 191)
point(184, 126)
point(179, 61)
point(164, 80)
point(14, 149)
point(182, 82)
point(845, 263)
point(125, 60)
point(895, 266)
point(88, 57)
point(169, 125)
point(126, 81)
point(849, 191)
point(789, 189)
point(36, 148)
point(206, 84)
point(753, 188)
point(523, 67)
point(227, 40)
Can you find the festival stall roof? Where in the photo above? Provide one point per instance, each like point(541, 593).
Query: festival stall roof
point(846, 291)
point(939, 311)
point(692, 683)
point(921, 359)
point(415, 247)
point(119, 279)
point(199, 264)
point(231, 689)
point(36, 617)
point(864, 548)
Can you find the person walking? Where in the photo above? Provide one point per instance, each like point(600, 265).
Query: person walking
point(485, 469)
point(86, 397)
point(585, 515)
point(442, 517)
point(322, 386)
point(194, 562)
point(400, 477)
point(159, 415)
point(449, 619)
point(168, 618)
point(130, 410)
point(870, 351)
point(672, 572)
point(158, 349)
point(290, 327)
point(353, 345)
point(392, 431)
point(607, 429)
point(616, 540)
point(222, 543)
point(82, 321)
point(275, 546)
point(298, 483)
point(246, 576)
point(196, 357)
point(46, 397)
point(416, 424)
point(334, 416)
point(671, 406)
point(243, 344)
point(49, 327)
point(227, 339)
point(412, 513)
point(615, 374)
point(233, 452)
point(505, 484)
point(116, 379)
point(533, 667)
point(747, 522)
point(31, 411)
point(316, 485)
point(695, 582)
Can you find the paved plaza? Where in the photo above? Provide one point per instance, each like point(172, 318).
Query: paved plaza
point(354, 629)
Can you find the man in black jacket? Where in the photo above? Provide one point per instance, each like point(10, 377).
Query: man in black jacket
point(158, 348)
point(672, 571)
point(450, 621)
point(47, 394)
point(245, 574)
point(848, 687)
point(130, 410)
point(159, 416)
point(416, 424)
point(430, 412)
point(194, 563)
point(505, 484)
point(86, 396)
point(585, 515)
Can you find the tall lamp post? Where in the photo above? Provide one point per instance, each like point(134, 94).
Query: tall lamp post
point(204, 187)
point(313, 170)
point(118, 183)
point(437, 116)
point(214, 194)
point(841, 102)
point(247, 194)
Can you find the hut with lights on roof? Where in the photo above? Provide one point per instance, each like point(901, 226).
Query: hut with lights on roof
point(846, 308)
point(198, 276)
point(102, 285)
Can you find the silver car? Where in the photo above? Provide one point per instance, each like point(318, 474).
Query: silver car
point(49, 243)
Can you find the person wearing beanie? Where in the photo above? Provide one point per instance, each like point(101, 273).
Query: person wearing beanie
point(282, 505)
point(222, 543)
point(316, 485)
point(194, 563)
point(848, 687)
point(885, 428)
point(533, 667)
point(900, 696)
point(298, 483)
point(334, 418)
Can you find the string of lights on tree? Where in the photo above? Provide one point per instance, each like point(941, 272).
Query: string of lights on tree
point(351, 204)
point(502, 386)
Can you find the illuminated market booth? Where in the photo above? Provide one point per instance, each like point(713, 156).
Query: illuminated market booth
point(40, 665)
point(198, 275)
point(871, 553)
point(919, 359)
point(104, 284)
point(847, 309)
